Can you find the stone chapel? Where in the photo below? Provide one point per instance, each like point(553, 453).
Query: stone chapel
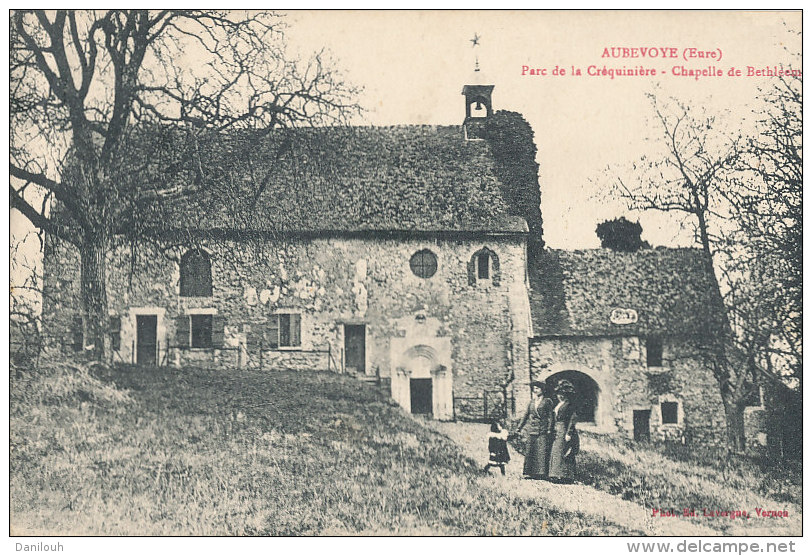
point(401, 261)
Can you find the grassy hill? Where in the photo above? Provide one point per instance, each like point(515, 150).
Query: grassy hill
point(145, 451)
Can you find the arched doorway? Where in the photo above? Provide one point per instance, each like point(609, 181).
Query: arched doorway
point(421, 361)
point(586, 393)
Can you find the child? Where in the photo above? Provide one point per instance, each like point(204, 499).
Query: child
point(497, 446)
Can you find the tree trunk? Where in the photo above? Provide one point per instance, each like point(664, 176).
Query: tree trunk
point(93, 253)
point(734, 416)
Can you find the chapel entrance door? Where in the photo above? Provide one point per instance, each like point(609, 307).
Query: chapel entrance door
point(421, 396)
point(642, 430)
point(355, 352)
point(146, 339)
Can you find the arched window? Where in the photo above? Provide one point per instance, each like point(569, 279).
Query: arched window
point(195, 274)
point(484, 265)
point(423, 263)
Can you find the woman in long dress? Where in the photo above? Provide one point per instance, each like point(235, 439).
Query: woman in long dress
point(537, 421)
point(565, 442)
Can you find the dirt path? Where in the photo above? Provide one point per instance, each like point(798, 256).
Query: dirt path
point(570, 498)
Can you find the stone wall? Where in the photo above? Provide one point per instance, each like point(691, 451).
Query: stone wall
point(330, 283)
point(618, 367)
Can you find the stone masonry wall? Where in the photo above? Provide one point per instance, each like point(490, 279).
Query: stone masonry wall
point(618, 366)
point(330, 282)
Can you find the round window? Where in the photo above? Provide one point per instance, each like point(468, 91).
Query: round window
point(424, 263)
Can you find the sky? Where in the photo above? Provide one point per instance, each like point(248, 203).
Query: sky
point(412, 66)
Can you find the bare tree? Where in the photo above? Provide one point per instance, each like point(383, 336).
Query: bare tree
point(109, 108)
point(25, 296)
point(768, 207)
point(742, 197)
point(690, 176)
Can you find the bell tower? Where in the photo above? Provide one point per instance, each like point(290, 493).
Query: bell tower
point(477, 93)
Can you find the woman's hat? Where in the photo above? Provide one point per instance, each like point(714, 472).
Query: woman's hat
point(538, 384)
point(564, 386)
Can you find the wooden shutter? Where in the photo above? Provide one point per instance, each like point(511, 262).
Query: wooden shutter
point(254, 336)
point(284, 329)
point(472, 271)
point(218, 331)
point(272, 332)
point(295, 329)
point(77, 336)
point(496, 277)
point(115, 333)
point(182, 331)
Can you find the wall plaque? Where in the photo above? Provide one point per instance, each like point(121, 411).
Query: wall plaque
point(623, 316)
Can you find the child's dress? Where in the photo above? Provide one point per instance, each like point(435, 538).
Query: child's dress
point(497, 446)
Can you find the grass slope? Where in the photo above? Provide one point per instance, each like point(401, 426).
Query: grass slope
point(143, 451)
point(674, 477)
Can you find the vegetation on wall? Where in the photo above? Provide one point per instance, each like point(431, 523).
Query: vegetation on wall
point(620, 234)
point(514, 149)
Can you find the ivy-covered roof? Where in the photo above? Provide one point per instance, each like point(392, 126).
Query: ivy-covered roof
point(399, 178)
point(574, 293)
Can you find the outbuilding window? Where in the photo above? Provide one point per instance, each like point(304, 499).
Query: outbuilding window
point(423, 264)
point(195, 274)
point(669, 413)
point(755, 399)
point(654, 351)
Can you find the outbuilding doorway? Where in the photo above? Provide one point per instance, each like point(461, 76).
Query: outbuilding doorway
point(642, 428)
point(586, 393)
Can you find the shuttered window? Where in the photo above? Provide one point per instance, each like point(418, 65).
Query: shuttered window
point(284, 330)
point(201, 328)
point(200, 331)
point(182, 331)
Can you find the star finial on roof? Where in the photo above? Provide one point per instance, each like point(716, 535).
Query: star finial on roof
point(475, 40)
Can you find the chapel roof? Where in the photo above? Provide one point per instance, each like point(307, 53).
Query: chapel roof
point(351, 179)
point(574, 293)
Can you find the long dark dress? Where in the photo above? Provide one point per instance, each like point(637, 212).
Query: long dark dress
point(537, 420)
point(562, 453)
